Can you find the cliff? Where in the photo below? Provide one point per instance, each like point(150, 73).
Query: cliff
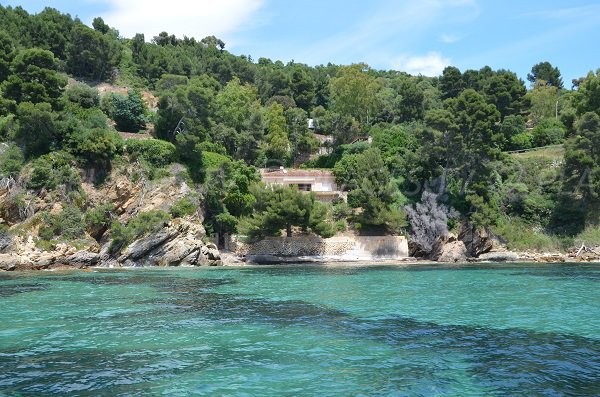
point(171, 239)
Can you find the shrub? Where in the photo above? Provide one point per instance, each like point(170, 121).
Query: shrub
point(139, 226)
point(214, 160)
point(96, 146)
point(521, 141)
point(52, 170)
point(184, 207)
point(68, 224)
point(83, 95)
point(11, 161)
point(98, 219)
point(548, 132)
point(157, 152)
point(128, 112)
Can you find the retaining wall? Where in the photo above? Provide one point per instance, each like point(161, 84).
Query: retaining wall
point(347, 248)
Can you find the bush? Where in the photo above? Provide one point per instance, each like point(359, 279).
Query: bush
point(214, 160)
point(523, 236)
point(184, 207)
point(157, 152)
point(548, 132)
point(521, 141)
point(83, 95)
point(68, 224)
point(98, 219)
point(139, 226)
point(128, 112)
point(96, 146)
point(11, 161)
point(52, 170)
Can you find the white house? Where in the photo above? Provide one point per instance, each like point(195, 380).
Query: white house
point(321, 182)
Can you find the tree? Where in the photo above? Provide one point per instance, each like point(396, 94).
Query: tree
point(99, 25)
point(354, 93)
point(37, 132)
point(34, 78)
point(91, 53)
point(283, 208)
point(588, 98)
point(303, 88)
point(128, 112)
point(7, 52)
point(451, 82)
point(545, 71)
point(234, 104)
point(506, 91)
point(543, 99)
point(278, 144)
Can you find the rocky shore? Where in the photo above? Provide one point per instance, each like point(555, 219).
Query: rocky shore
point(182, 241)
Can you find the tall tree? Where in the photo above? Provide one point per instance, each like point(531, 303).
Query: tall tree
point(92, 54)
point(34, 78)
point(354, 92)
point(545, 71)
point(451, 82)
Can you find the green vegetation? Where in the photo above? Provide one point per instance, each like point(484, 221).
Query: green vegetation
point(139, 226)
point(389, 136)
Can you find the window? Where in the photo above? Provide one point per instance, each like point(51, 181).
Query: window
point(305, 187)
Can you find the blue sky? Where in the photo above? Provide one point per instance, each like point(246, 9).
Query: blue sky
point(415, 36)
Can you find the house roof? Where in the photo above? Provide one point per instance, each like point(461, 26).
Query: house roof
point(295, 172)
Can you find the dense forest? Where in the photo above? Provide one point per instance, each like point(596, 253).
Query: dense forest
point(442, 149)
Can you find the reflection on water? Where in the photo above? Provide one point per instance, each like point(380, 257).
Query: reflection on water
point(148, 332)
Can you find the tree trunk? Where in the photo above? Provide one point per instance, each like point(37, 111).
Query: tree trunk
point(288, 230)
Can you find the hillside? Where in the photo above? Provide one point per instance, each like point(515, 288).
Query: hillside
point(412, 155)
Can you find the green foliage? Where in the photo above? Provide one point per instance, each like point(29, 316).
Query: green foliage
point(282, 208)
point(278, 143)
point(91, 53)
point(511, 127)
point(548, 132)
point(68, 224)
point(523, 140)
point(96, 147)
point(214, 160)
point(157, 152)
point(128, 112)
point(139, 226)
point(544, 71)
point(523, 236)
point(11, 161)
point(34, 78)
point(38, 131)
point(53, 170)
point(354, 93)
point(83, 95)
point(184, 206)
point(98, 219)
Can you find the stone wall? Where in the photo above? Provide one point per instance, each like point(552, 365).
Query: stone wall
point(343, 248)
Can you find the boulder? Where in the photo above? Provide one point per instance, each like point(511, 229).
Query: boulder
point(452, 251)
point(479, 240)
point(177, 244)
point(504, 256)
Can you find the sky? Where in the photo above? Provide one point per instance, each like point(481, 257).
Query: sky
point(416, 36)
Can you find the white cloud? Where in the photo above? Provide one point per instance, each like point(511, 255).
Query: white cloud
point(196, 19)
point(430, 64)
point(448, 38)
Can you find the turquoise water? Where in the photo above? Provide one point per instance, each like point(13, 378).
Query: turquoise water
point(523, 330)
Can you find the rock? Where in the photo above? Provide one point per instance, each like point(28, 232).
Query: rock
point(453, 251)
point(178, 244)
point(10, 262)
point(6, 242)
point(478, 240)
point(504, 256)
point(81, 259)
